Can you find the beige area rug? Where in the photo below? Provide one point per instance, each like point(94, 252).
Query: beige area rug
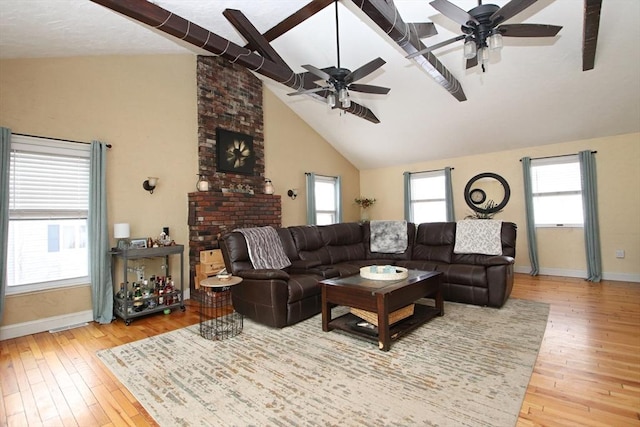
point(468, 368)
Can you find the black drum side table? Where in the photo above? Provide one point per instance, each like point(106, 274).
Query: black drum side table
point(218, 319)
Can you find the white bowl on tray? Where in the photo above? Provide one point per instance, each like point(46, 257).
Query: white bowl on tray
point(384, 272)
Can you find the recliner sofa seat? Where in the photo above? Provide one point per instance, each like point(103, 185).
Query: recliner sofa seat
point(286, 296)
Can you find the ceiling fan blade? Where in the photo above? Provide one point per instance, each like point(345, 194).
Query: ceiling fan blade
point(529, 30)
point(436, 46)
point(453, 12)
point(318, 72)
point(472, 62)
point(369, 89)
point(510, 10)
point(306, 91)
point(365, 70)
point(424, 29)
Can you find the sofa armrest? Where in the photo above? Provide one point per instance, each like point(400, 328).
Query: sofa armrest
point(302, 264)
point(500, 282)
point(497, 260)
point(484, 260)
point(314, 267)
point(264, 274)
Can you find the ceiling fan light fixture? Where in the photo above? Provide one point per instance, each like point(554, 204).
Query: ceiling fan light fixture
point(343, 95)
point(495, 41)
point(346, 103)
point(483, 55)
point(469, 48)
point(331, 100)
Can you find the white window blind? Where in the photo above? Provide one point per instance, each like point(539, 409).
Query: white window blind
point(557, 191)
point(428, 197)
point(48, 210)
point(53, 184)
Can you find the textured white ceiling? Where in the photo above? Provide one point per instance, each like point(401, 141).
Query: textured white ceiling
point(533, 93)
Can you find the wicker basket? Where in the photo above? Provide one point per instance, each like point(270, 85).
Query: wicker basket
point(394, 317)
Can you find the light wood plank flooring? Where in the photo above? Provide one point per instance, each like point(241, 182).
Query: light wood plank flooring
point(588, 368)
point(587, 372)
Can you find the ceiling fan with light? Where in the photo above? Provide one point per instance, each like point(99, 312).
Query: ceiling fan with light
point(339, 81)
point(482, 29)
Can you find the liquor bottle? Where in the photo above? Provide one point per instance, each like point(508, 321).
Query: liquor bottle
point(168, 291)
point(137, 292)
point(121, 293)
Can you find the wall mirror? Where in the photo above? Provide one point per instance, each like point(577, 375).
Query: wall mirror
point(485, 188)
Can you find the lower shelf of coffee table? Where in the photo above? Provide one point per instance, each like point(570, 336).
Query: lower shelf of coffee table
point(348, 323)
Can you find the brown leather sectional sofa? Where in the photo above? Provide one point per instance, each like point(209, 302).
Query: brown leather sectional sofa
point(283, 297)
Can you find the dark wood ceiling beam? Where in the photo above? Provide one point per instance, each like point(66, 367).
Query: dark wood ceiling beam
point(297, 18)
point(385, 15)
point(170, 23)
point(253, 36)
point(590, 33)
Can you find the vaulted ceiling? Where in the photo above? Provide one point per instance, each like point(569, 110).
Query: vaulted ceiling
point(534, 91)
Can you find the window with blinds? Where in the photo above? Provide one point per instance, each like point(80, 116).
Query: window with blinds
point(557, 192)
point(48, 209)
point(428, 197)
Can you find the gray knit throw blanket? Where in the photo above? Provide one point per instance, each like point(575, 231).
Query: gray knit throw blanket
point(389, 237)
point(265, 248)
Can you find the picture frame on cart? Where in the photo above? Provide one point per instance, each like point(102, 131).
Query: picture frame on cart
point(138, 244)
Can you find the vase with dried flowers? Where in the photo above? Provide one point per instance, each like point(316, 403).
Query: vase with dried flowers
point(486, 211)
point(364, 203)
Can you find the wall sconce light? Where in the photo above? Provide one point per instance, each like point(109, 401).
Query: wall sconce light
point(150, 184)
point(202, 184)
point(293, 193)
point(268, 186)
point(122, 233)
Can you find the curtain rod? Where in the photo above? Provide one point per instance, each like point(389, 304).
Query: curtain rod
point(328, 176)
point(561, 155)
point(433, 170)
point(56, 139)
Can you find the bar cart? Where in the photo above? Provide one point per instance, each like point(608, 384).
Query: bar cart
point(143, 295)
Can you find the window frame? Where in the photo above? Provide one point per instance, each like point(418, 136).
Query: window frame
point(556, 160)
point(335, 180)
point(52, 147)
point(440, 173)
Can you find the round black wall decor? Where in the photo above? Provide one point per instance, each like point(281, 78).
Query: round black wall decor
point(477, 196)
point(472, 200)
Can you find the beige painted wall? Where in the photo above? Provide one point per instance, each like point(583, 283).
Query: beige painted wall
point(145, 107)
point(559, 249)
point(293, 148)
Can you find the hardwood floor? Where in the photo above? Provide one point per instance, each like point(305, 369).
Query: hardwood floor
point(587, 372)
point(588, 368)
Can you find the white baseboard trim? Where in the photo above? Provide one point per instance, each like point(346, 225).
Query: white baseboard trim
point(623, 277)
point(41, 325)
point(56, 322)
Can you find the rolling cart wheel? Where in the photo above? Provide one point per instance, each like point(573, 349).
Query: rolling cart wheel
point(127, 322)
point(183, 308)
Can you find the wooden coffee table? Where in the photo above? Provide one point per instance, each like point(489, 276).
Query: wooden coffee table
point(381, 297)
